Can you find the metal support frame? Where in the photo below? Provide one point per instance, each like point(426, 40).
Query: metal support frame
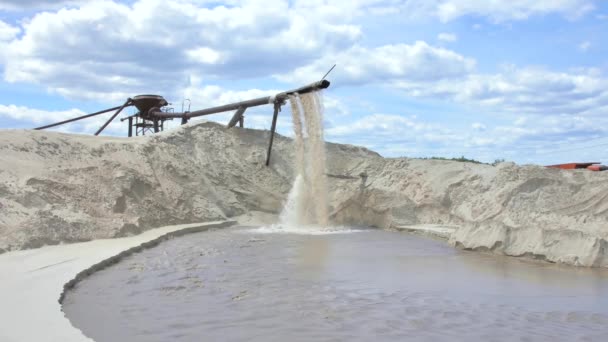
point(237, 117)
point(151, 116)
point(77, 118)
point(127, 103)
point(277, 109)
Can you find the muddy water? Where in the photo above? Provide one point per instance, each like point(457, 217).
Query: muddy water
point(249, 284)
point(307, 202)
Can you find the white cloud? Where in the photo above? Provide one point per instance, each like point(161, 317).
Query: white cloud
point(105, 49)
point(96, 49)
point(108, 51)
point(447, 37)
point(499, 11)
point(37, 115)
point(584, 46)
point(521, 90)
point(7, 32)
point(203, 96)
point(205, 55)
point(418, 62)
point(477, 126)
point(520, 121)
point(17, 5)
point(34, 117)
point(378, 125)
point(542, 140)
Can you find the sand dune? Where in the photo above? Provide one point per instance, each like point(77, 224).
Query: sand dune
point(57, 188)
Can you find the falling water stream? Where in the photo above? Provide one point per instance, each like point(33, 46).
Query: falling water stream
point(307, 200)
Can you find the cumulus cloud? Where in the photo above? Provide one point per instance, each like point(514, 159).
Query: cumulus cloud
point(106, 49)
point(418, 62)
point(34, 117)
point(477, 126)
point(37, 115)
point(7, 32)
point(500, 11)
point(381, 124)
point(521, 90)
point(447, 37)
point(392, 134)
point(544, 139)
point(17, 5)
point(203, 96)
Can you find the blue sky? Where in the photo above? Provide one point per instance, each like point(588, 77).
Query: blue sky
point(525, 81)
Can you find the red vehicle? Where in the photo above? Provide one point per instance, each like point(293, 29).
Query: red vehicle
point(596, 166)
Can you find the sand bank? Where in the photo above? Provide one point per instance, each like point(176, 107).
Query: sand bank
point(58, 188)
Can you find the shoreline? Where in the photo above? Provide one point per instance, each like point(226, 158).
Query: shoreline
point(32, 280)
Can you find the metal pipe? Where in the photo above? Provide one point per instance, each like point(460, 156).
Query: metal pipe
point(280, 97)
point(130, 126)
point(76, 119)
point(127, 103)
point(220, 109)
point(129, 117)
point(305, 89)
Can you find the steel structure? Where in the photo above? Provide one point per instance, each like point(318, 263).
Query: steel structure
point(152, 112)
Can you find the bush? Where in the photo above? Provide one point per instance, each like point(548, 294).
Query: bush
point(465, 160)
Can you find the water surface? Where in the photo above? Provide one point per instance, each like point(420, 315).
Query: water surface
point(247, 284)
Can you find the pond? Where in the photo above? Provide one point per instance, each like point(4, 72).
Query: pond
point(272, 284)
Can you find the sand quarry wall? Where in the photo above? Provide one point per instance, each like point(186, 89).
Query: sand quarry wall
point(57, 188)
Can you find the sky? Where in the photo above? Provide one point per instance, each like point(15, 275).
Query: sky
point(519, 80)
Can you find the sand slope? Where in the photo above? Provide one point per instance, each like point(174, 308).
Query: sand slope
point(62, 188)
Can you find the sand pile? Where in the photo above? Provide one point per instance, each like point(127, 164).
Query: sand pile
point(59, 188)
point(549, 214)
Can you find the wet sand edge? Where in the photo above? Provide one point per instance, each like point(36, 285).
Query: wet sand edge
point(32, 280)
point(149, 244)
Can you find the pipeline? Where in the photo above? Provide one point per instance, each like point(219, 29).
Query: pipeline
point(278, 98)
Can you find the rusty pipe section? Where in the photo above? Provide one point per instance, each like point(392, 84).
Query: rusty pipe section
point(278, 98)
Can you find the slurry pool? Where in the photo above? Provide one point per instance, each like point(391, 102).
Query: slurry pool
point(268, 284)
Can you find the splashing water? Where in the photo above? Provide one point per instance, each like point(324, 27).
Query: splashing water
point(307, 200)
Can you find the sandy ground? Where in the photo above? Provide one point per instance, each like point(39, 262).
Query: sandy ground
point(32, 281)
point(57, 188)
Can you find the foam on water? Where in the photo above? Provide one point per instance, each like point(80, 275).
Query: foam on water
point(304, 230)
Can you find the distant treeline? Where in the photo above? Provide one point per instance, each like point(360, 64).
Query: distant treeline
point(466, 160)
